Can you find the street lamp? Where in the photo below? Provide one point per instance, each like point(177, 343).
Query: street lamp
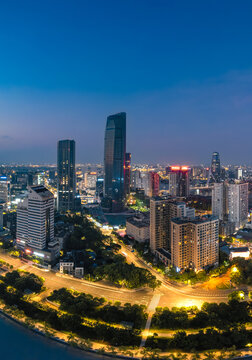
point(234, 269)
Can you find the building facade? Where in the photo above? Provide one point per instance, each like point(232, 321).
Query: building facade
point(159, 224)
point(178, 180)
point(238, 204)
point(138, 227)
point(66, 184)
point(114, 160)
point(194, 243)
point(127, 171)
point(230, 203)
point(4, 190)
point(216, 167)
point(35, 219)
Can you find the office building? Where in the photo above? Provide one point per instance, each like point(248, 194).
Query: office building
point(127, 171)
point(159, 224)
point(216, 167)
point(66, 175)
point(35, 219)
point(178, 180)
point(194, 243)
point(114, 160)
point(99, 187)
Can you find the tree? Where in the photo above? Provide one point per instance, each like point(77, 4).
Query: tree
point(236, 295)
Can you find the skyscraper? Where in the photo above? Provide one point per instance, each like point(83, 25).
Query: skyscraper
point(35, 219)
point(179, 180)
point(238, 204)
point(127, 171)
point(230, 202)
point(159, 224)
point(4, 190)
point(154, 183)
point(66, 175)
point(114, 160)
point(216, 167)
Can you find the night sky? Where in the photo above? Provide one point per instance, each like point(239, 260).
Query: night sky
point(181, 70)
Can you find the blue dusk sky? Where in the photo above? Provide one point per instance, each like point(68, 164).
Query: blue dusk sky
point(181, 70)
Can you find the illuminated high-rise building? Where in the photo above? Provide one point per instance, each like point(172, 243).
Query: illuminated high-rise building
point(35, 219)
point(230, 202)
point(66, 175)
point(159, 224)
point(216, 167)
point(178, 180)
point(4, 190)
point(238, 204)
point(114, 161)
point(127, 171)
point(194, 243)
point(136, 179)
point(154, 183)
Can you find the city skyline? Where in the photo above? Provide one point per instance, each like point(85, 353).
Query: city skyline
point(61, 79)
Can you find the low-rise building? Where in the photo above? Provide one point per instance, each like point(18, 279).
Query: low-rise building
point(164, 256)
point(73, 264)
point(242, 252)
point(138, 227)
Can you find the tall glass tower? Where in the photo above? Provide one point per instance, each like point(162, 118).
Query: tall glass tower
point(66, 175)
point(114, 160)
point(216, 167)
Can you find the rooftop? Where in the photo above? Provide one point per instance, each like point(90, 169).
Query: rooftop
point(197, 220)
point(239, 249)
point(41, 191)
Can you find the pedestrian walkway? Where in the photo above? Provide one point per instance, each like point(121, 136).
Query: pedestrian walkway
point(151, 310)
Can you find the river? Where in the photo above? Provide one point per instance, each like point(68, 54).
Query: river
point(19, 343)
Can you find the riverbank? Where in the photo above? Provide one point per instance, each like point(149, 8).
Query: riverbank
point(50, 343)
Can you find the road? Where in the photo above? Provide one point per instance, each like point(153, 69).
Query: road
point(174, 294)
point(54, 281)
point(170, 294)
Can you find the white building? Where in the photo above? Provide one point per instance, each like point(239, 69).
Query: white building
point(35, 219)
point(67, 267)
point(239, 173)
point(242, 252)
